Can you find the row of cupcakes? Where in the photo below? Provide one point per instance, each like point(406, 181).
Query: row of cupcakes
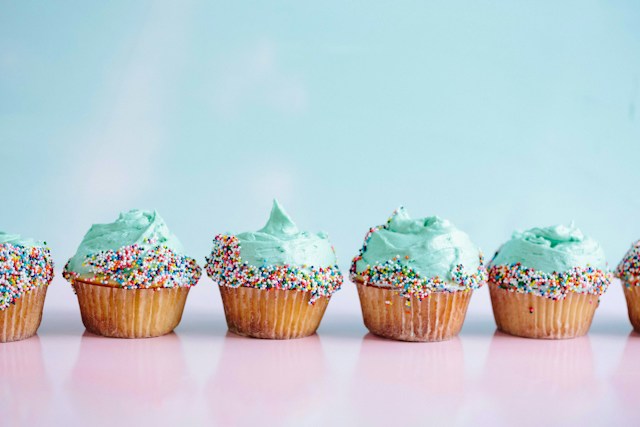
point(414, 277)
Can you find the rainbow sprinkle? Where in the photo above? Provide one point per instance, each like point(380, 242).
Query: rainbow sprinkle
point(629, 268)
point(516, 278)
point(22, 269)
point(407, 281)
point(226, 268)
point(135, 267)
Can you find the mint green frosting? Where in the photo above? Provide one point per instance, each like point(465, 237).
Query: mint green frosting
point(557, 248)
point(280, 242)
point(143, 228)
point(431, 246)
point(17, 240)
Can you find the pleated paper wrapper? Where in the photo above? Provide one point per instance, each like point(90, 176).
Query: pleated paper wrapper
point(437, 317)
point(272, 313)
point(22, 319)
point(632, 295)
point(116, 312)
point(533, 316)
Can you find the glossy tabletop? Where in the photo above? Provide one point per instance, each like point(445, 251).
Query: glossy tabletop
point(203, 375)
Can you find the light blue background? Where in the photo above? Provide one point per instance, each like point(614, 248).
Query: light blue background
point(496, 115)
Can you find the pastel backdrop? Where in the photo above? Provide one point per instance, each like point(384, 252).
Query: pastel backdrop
point(496, 115)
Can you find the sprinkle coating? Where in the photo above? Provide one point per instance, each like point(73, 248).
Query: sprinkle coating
point(226, 268)
point(629, 268)
point(135, 267)
point(407, 281)
point(22, 269)
point(517, 278)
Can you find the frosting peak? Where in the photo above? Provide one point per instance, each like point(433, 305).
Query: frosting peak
point(280, 242)
point(401, 222)
point(279, 223)
point(399, 216)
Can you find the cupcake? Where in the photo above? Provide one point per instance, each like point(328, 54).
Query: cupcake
point(131, 277)
point(628, 271)
point(275, 282)
point(26, 269)
point(415, 278)
point(546, 282)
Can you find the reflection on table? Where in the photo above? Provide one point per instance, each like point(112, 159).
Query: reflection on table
point(408, 383)
point(258, 380)
point(25, 389)
point(136, 378)
point(538, 382)
point(625, 380)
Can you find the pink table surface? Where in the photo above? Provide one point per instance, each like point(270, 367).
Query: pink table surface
point(203, 375)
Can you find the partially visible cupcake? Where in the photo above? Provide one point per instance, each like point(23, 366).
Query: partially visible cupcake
point(26, 269)
point(628, 271)
point(546, 282)
point(415, 278)
point(275, 282)
point(131, 277)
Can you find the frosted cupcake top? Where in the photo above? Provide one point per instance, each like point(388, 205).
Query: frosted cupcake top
point(25, 264)
point(137, 250)
point(419, 256)
point(629, 268)
point(551, 249)
point(551, 261)
point(280, 242)
point(278, 256)
point(18, 240)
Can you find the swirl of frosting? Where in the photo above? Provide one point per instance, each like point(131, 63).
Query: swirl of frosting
point(25, 264)
point(135, 251)
point(551, 249)
point(419, 255)
point(280, 242)
point(431, 246)
point(17, 240)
